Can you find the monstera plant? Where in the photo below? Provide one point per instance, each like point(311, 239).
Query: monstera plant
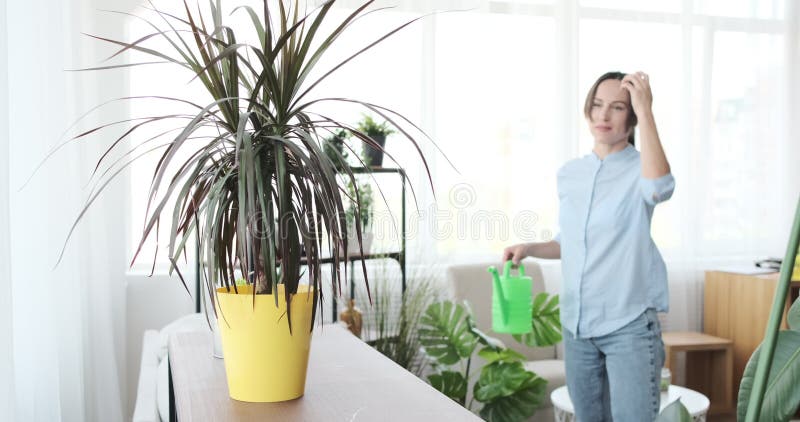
point(508, 392)
point(246, 178)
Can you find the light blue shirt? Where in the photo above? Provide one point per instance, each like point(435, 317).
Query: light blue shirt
point(612, 270)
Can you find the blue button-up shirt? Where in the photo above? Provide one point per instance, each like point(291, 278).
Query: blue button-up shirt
point(612, 270)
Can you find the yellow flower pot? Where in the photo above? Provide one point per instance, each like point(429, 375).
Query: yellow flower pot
point(263, 361)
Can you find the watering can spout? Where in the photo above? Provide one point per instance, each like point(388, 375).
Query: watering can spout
point(495, 276)
point(498, 288)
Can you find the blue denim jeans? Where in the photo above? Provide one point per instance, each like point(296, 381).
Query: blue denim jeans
point(616, 377)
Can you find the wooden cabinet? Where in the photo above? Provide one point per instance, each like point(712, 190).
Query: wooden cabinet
point(737, 307)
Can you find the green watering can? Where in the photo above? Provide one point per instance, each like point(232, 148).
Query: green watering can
point(511, 301)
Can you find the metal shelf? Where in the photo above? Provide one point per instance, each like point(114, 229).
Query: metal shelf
point(400, 256)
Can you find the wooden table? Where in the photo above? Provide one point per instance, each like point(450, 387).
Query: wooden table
point(709, 366)
point(347, 381)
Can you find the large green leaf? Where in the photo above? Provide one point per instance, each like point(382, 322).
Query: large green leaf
point(505, 355)
point(482, 337)
point(520, 405)
point(675, 412)
point(500, 379)
point(782, 394)
point(545, 323)
point(450, 383)
point(445, 334)
point(793, 318)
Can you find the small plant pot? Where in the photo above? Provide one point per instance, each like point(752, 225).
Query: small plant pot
point(217, 353)
point(352, 243)
point(373, 155)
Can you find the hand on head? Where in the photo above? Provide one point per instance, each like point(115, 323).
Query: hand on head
point(638, 86)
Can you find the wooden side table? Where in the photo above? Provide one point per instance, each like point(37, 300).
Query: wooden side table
point(709, 366)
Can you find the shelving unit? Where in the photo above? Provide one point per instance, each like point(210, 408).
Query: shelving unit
point(398, 256)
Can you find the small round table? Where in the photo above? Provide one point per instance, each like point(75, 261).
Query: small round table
point(696, 403)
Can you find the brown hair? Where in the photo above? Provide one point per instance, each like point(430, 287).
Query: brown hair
point(587, 106)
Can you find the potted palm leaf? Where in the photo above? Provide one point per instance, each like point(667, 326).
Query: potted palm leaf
point(257, 192)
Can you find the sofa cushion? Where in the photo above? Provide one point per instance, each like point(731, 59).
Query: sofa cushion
point(187, 323)
point(146, 393)
point(473, 283)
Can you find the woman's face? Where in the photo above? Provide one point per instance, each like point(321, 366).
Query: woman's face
point(609, 113)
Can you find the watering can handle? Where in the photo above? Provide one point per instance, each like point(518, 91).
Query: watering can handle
point(507, 269)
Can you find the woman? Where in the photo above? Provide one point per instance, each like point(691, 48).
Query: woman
point(614, 279)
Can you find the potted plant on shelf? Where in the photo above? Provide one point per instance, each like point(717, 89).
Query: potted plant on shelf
point(333, 147)
point(255, 191)
point(377, 133)
point(359, 212)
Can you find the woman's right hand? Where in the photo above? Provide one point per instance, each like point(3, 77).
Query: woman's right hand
point(516, 252)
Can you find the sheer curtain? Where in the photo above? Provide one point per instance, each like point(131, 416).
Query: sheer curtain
point(62, 329)
point(500, 87)
point(6, 314)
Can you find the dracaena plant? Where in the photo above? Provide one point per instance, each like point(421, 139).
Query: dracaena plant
point(259, 193)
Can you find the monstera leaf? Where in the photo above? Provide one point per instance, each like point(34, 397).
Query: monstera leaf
point(509, 392)
point(793, 318)
point(445, 334)
point(504, 355)
point(545, 323)
point(451, 384)
point(500, 379)
point(483, 338)
point(675, 412)
point(782, 394)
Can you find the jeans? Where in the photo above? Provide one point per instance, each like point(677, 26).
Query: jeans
point(616, 377)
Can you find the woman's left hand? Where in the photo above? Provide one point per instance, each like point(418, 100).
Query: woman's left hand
point(638, 86)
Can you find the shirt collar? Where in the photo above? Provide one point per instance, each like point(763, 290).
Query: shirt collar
point(619, 156)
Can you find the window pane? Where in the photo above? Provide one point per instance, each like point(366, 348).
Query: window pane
point(763, 9)
point(747, 117)
point(495, 118)
point(672, 6)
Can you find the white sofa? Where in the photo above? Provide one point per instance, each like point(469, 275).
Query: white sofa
point(472, 282)
point(152, 392)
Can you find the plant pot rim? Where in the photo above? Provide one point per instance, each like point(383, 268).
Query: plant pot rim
point(302, 290)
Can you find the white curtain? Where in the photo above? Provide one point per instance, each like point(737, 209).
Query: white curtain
point(63, 327)
point(6, 314)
